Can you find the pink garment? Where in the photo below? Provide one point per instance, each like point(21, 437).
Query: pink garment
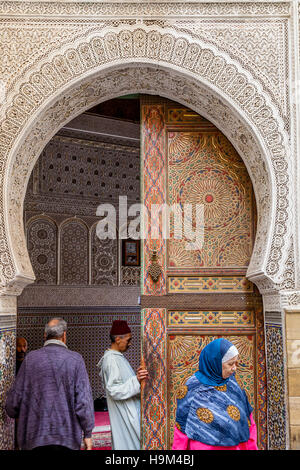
point(102, 418)
point(182, 442)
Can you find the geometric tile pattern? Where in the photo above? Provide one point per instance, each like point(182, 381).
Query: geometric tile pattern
point(130, 276)
point(7, 372)
point(203, 168)
point(261, 375)
point(104, 254)
point(79, 257)
point(72, 167)
point(42, 248)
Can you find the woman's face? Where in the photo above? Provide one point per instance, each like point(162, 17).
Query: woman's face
point(229, 367)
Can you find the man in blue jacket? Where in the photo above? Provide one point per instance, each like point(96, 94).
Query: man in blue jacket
point(51, 396)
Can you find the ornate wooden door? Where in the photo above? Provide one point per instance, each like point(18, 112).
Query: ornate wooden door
point(201, 292)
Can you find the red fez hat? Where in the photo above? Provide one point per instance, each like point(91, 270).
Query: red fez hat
point(119, 327)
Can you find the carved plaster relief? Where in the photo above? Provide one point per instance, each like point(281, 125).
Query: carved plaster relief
point(259, 45)
point(236, 28)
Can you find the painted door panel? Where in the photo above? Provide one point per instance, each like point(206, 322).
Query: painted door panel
point(202, 291)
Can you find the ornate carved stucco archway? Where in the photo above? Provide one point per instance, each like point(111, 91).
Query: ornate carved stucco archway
point(149, 60)
point(154, 61)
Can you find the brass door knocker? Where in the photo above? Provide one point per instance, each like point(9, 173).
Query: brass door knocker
point(154, 268)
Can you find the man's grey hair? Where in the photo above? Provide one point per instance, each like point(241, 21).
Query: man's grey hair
point(57, 330)
point(113, 337)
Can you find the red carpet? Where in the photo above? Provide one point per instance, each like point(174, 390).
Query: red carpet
point(101, 433)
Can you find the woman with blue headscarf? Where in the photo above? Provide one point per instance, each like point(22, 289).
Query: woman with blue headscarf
point(213, 412)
